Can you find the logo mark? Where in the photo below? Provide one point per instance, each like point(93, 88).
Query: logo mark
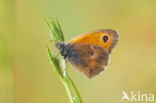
point(125, 96)
point(137, 97)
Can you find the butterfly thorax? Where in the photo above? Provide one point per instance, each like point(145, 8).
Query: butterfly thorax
point(65, 49)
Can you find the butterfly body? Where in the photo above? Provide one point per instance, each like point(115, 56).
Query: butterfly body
point(89, 53)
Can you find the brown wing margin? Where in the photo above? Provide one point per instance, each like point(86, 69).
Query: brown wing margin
point(115, 38)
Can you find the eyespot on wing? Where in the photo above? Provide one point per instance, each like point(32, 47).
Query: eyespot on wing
point(107, 38)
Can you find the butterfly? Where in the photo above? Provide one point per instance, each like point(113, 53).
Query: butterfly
point(90, 52)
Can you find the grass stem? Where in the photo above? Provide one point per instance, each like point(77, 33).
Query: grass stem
point(60, 64)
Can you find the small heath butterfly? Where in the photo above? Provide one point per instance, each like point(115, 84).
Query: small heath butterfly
point(89, 53)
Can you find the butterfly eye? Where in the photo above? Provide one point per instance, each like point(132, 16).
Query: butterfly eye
point(105, 38)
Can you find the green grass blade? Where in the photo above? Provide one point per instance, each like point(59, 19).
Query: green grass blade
point(55, 62)
point(76, 100)
point(60, 63)
point(55, 29)
point(54, 35)
point(60, 29)
point(76, 90)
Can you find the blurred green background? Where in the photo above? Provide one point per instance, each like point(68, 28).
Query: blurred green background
point(26, 74)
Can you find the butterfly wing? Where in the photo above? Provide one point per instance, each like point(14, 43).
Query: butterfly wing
point(106, 38)
point(88, 58)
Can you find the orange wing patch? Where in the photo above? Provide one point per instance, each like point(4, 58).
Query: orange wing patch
point(97, 38)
